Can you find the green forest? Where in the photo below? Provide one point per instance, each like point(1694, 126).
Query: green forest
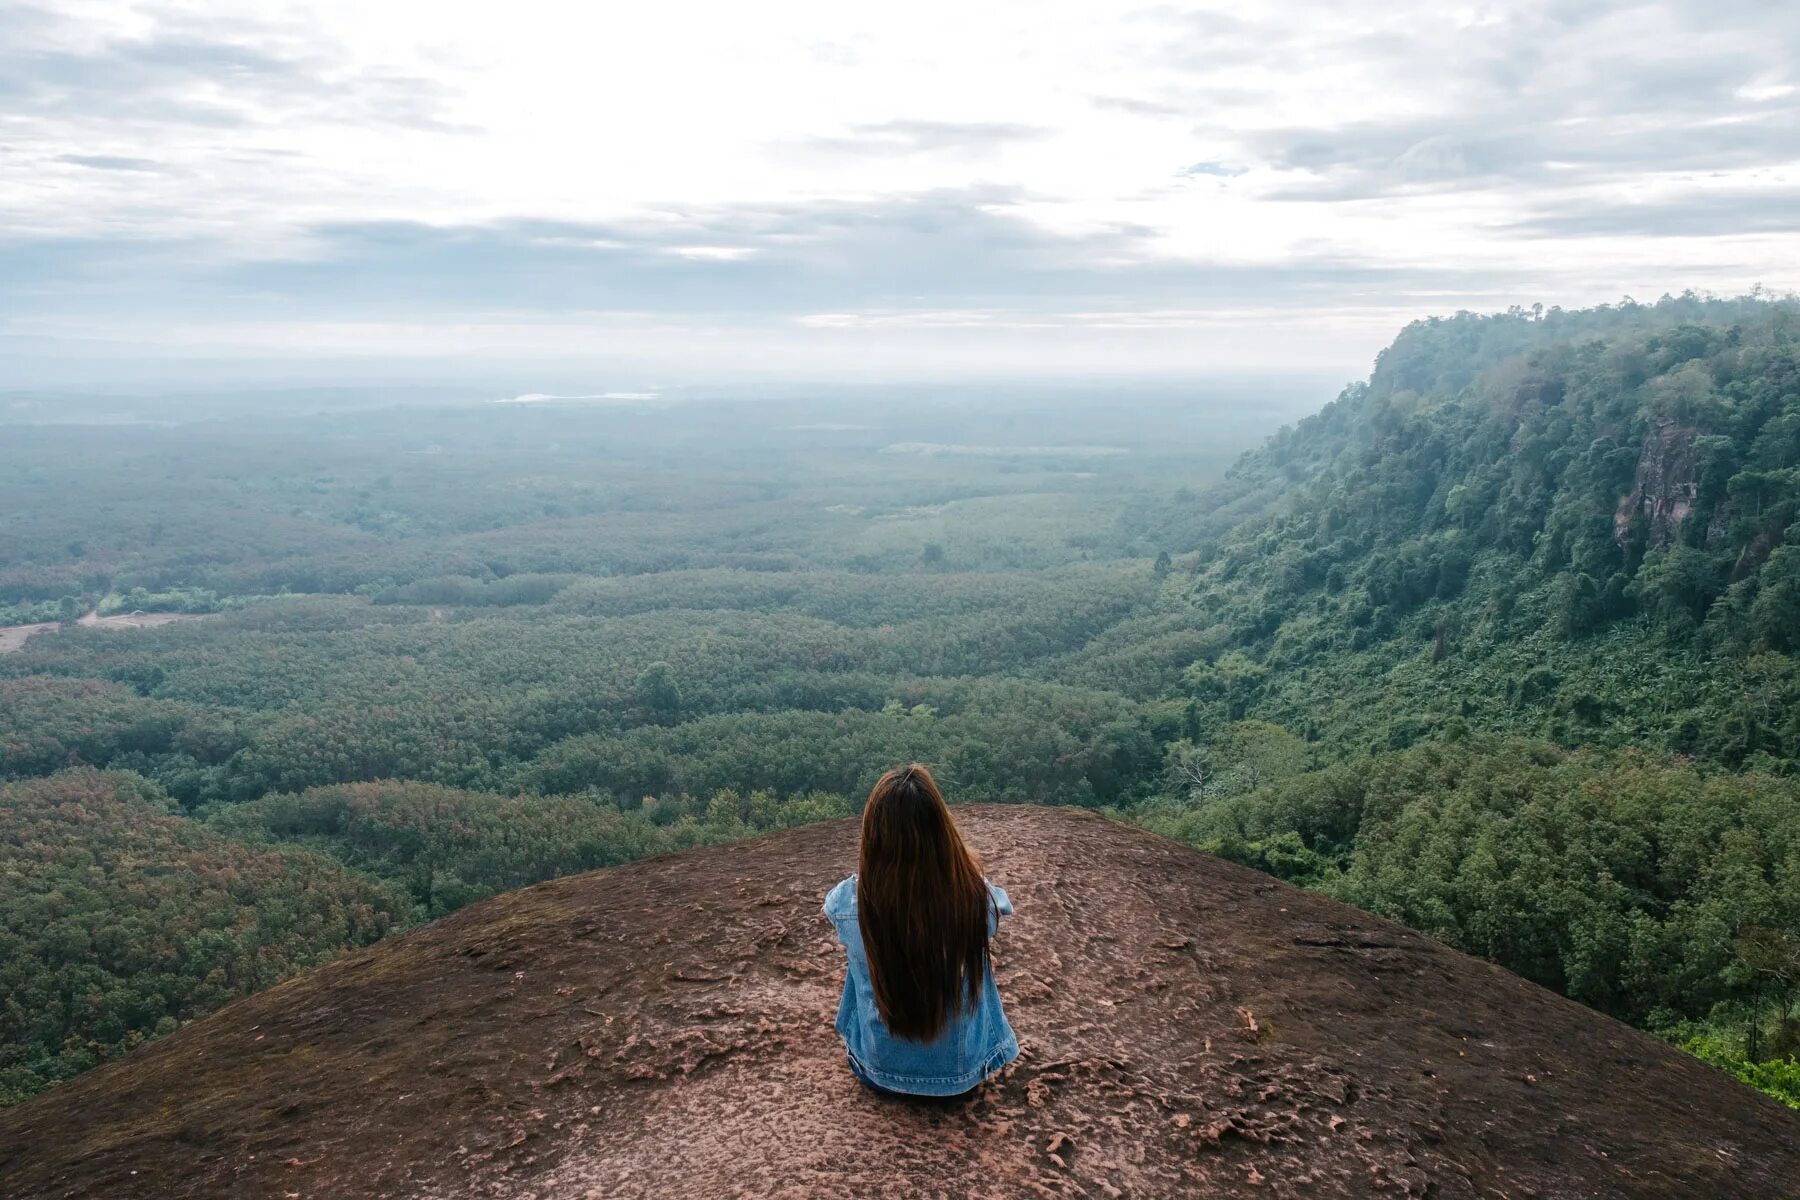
point(1501, 643)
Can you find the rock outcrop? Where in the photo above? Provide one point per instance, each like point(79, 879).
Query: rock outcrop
point(663, 1029)
point(1664, 488)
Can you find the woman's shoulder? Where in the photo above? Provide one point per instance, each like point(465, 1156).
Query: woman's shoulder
point(840, 901)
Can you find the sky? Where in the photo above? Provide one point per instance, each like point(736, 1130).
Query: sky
point(673, 190)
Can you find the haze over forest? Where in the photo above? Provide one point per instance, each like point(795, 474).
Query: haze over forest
point(445, 449)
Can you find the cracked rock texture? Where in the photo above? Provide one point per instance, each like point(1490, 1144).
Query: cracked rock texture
point(664, 1029)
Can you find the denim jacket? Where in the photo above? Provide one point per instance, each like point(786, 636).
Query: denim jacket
point(973, 1045)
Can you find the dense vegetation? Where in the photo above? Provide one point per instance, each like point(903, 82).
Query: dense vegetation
point(1502, 644)
point(1628, 882)
point(123, 919)
point(1579, 527)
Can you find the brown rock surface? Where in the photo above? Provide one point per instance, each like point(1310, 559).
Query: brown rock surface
point(664, 1029)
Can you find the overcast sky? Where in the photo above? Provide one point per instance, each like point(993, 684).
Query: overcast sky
point(919, 188)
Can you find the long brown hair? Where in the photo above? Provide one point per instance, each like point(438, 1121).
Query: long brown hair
point(921, 904)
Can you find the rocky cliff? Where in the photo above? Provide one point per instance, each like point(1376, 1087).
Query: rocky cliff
point(664, 1029)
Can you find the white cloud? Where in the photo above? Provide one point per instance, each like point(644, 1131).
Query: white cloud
point(713, 253)
point(1761, 93)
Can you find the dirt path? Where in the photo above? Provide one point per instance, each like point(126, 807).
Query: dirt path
point(1189, 1028)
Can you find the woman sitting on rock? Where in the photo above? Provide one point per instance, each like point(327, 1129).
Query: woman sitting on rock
point(920, 1015)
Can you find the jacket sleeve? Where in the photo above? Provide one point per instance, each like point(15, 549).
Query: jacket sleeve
point(1002, 902)
point(839, 902)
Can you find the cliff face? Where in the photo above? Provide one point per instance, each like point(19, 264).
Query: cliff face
point(1664, 488)
point(664, 1029)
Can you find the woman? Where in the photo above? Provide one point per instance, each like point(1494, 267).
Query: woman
point(920, 1014)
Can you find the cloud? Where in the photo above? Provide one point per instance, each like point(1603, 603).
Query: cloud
point(1551, 96)
point(793, 257)
point(109, 162)
point(908, 137)
point(1448, 153)
point(1137, 106)
point(350, 169)
point(930, 253)
point(1217, 170)
point(184, 71)
point(1713, 213)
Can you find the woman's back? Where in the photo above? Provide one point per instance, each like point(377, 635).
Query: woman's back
point(973, 1044)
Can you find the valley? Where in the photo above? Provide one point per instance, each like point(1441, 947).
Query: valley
point(1499, 644)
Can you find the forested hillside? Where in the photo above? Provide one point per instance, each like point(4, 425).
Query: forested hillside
point(1573, 525)
point(1501, 644)
point(1558, 555)
point(119, 919)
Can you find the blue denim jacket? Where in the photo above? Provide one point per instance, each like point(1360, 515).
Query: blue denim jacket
point(972, 1046)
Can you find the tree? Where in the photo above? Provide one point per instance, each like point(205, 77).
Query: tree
point(657, 692)
point(1676, 584)
point(1574, 603)
point(1773, 956)
point(1259, 753)
point(1235, 680)
point(1775, 615)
